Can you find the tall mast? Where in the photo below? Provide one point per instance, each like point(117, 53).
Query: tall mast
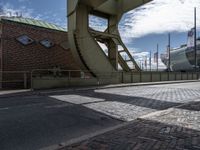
point(195, 42)
point(157, 56)
point(169, 55)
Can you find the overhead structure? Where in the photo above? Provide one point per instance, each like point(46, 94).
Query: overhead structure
point(84, 40)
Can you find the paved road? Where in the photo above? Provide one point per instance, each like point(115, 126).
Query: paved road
point(30, 123)
point(37, 121)
point(175, 128)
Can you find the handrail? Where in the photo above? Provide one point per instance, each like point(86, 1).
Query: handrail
point(14, 77)
point(14, 71)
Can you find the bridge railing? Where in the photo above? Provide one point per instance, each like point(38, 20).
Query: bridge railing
point(53, 78)
point(14, 79)
point(154, 76)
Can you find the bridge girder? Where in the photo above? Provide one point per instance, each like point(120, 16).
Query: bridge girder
point(83, 45)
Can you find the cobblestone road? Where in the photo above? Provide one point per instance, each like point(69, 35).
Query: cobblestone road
point(172, 129)
point(129, 103)
point(168, 118)
point(157, 118)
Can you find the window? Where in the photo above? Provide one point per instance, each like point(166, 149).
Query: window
point(25, 40)
point(47, 43)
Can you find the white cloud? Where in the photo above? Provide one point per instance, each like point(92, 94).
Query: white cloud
point(98, 23)
point(160, 16)
point(142, 56)
point(9, 10)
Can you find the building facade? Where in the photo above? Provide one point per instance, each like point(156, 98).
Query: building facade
point(27, 44)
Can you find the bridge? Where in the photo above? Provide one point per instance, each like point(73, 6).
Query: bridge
point(96, 67)
point(84, 40)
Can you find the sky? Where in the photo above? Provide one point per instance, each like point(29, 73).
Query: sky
point(141, 29)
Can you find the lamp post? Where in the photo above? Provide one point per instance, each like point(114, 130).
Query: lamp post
point(150, 60)
point(157, 56)
point(169, 55)
point(195, 42)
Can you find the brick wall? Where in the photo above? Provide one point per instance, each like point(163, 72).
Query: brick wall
point(18, 57)
point(1, 27)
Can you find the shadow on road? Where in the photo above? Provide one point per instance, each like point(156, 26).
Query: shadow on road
point(143, 134)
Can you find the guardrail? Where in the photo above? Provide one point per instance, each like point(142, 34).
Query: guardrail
point(158, 76)
point(52, 78)
point(14, 79)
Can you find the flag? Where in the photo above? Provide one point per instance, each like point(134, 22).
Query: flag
point(155, 57)
point(190, 42)
point(167, 53)
point(150, 59)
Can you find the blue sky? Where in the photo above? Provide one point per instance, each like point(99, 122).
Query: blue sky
point(141, 29)
point(48, 10)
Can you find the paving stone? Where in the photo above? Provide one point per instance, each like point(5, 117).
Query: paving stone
point(162, 131)
point(161, 118)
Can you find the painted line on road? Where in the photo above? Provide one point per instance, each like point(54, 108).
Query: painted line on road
point(6, 108)
point(85, 137)
point(58, 106)
point(26, 106)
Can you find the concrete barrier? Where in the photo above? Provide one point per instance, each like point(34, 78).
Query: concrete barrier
point(155, 76)
point(172, 76)
point(121, 77)
point(135, 77)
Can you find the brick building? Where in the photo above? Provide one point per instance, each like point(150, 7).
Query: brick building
point(27, 44)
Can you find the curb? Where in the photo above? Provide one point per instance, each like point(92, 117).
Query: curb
point(115, 86)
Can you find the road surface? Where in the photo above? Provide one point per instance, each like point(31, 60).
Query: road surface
point(38, 121)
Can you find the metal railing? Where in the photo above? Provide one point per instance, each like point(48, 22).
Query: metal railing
point(41, 73)
point(80, 77)
point(83, 74)
point(14, 79)
point(24, 79)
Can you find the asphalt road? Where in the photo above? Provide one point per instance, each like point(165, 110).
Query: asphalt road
point(34, 122)
point(38, 121)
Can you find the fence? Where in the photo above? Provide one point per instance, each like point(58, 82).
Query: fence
point(53, 78)
point(158, 76)
point(14, 79)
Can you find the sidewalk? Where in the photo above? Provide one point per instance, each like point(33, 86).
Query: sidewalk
point(176, 128)
point(19, 92)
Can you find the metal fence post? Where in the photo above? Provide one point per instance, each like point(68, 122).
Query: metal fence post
point(25, 81)
point(181, 76)
point(160, 76)
point(122, 77)
point(32, 88)
point(131, 77)
point(69, 77)
point(168, 75)
point(1, 80)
